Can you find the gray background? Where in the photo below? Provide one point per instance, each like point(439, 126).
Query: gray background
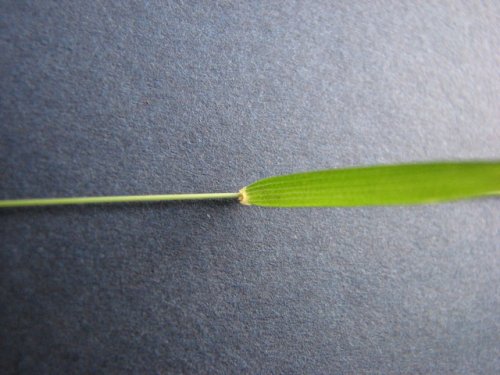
point(119, 97)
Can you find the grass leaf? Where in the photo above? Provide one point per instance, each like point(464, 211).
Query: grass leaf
point(378, 185)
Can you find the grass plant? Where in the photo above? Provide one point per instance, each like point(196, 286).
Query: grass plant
point(402, 184)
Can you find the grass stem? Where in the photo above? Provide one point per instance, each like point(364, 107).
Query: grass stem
point(113, 199)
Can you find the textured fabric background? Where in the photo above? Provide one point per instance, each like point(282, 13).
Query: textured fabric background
point(122, 97)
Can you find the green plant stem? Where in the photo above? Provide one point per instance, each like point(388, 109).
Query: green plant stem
point(113, 199)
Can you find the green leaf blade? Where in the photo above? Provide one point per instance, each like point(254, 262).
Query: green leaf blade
point(405, 184)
